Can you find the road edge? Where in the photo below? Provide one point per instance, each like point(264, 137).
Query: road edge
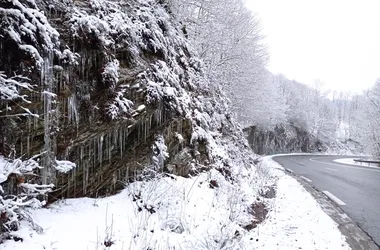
point(356, 237)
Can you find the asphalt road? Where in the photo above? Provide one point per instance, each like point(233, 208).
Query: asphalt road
point(355, 189)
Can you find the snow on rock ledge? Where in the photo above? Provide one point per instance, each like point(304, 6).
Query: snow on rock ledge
point(64, 166)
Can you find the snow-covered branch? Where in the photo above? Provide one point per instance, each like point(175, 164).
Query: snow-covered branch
point(10, 87)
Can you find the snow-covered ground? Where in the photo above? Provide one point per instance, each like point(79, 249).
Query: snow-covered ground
point(203, 212)
point(296, 220)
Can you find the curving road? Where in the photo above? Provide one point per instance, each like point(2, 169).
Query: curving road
point(355, 189)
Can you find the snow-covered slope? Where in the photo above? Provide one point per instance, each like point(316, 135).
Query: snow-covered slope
point(105, 93)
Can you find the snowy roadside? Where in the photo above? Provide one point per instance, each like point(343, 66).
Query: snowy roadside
point(350, 161)
point(203, 212)
point(297, 221)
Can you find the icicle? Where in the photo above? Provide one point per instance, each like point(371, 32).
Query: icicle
point(125, 138)
point(138, 132)
point(87, 178)
point(82, 64)
point(115, 133)
point(84, 180)
point(141, 130)
point(100, 149)
point(146, 129)
point(74, 181)
point(112, 145)
point(119, 173)
point(94, 151)
point(35, 122)
point(69, 181)
point(121, 136)
point(156, 116)
point(28, 144)
point(159, 116)
point(108, 147)
point(72, 110)
point(81, 153)
point(151, 120)
point(28, 124)
point(47, 83)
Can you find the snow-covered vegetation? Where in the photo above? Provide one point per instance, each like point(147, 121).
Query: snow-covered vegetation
point(362, 118)
point(236, 59)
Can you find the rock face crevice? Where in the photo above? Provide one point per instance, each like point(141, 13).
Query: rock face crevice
point(106, 78)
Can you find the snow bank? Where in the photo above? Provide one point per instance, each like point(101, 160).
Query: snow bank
point(164, 213)
point(349, 161)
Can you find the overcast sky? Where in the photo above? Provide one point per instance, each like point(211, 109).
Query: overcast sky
point(335, 41)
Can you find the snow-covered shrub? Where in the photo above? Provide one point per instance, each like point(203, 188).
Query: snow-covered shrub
point(28, 28)
point(110, 74)
point(120, 106)
point(12, 204)
point(67, 57)
point(159, 155)
point(19, 190)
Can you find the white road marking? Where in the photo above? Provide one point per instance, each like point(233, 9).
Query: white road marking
point(289, 170)
point(373, 169)
point(334, 198)
point(331, 169)
point(306, 179)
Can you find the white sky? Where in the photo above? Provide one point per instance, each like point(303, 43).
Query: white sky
point(335, 41)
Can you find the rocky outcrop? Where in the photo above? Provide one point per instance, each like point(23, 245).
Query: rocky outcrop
point(282, 139)
point(103, 80)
